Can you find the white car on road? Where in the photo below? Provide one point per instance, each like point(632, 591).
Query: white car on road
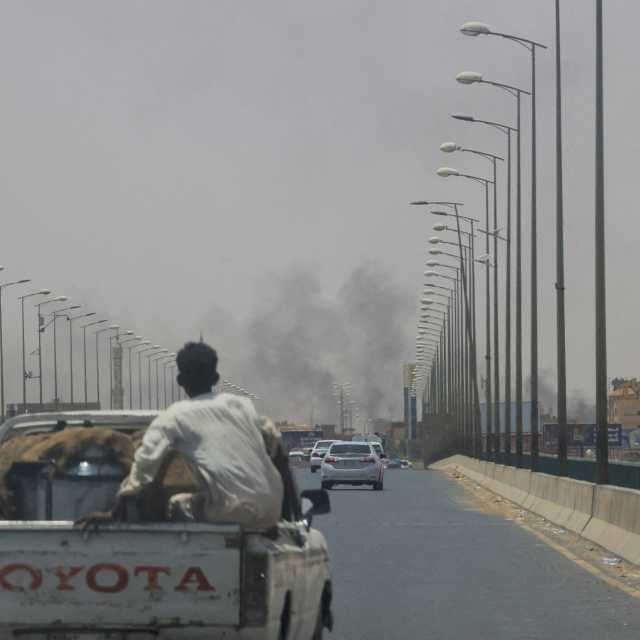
point(353, 463)
point(318, 452)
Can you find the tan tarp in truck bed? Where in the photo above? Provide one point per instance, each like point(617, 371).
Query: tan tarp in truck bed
point(65, 449)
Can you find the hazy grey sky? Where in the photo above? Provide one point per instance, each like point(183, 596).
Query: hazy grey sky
point(166, 162)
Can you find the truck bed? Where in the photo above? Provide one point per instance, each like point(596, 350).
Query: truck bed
point(123, 576)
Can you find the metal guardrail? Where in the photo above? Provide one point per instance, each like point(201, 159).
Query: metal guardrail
point(621, 474)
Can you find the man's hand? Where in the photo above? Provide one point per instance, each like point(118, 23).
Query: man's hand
point(96, 518)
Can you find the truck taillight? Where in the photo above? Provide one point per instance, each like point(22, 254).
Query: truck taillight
point(330, 460)
point(254, 592)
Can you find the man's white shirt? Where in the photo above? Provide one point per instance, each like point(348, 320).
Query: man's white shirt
point(220, 435)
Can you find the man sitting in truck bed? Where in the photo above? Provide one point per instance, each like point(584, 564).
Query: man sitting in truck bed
point(223, 440)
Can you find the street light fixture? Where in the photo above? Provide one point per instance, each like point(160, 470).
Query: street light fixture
point(113, 327)
point(84, 354)
point(471, 77)
point(150, 357)
point(167, 368)
point(468, 288)
point(25, 374)
point(446, 172)
point(161, 360)
point(71, 320)
point(117, 336)
point(129, 342)
point(475, 28)
point(140, 349)
point(58, 313)
point(2, 287)
point(450, 147)
point(41, 328)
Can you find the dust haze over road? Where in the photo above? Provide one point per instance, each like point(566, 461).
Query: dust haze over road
point(301, 339)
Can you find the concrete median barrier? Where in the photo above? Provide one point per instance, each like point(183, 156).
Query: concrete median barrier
point(512, 483)
point(563, 501)
point(615, 524)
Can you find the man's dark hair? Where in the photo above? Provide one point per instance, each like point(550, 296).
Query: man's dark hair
point(197, 367)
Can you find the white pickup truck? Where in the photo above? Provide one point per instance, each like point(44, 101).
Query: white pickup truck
point(150, 580)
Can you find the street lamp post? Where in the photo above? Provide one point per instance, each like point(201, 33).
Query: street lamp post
point(470, 290)
point(130, 342)
point(456, 347)
point(602, 444)
point(476, 29)
point(84, 354)
point(463, 366)
point(41, 328)
point(174, 369)
point(164, 362)
point(140, 349)
point(58, 314)
point(468, 287)
point(560, 309)
point(71, 320)
point(113, 327)
point(2, 287)
point(446, 172)
point(449, 147)
point(151, 356)
point(167, 370)
point(472, 77)
point(111, 372)
point(42, 292)
point(162, 355)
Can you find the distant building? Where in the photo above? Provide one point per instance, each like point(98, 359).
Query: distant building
point(298, 436)
point(301, 436)
point(624, 402)
point(526, 416)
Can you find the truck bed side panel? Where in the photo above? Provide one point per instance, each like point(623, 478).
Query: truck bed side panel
point(174, 575)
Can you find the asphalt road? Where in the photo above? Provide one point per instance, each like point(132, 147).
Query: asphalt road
point(418, 561)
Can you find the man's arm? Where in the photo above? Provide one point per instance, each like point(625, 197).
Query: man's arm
point(270, 434)
point(291, 509)
point(148, 459)
point(156, 443)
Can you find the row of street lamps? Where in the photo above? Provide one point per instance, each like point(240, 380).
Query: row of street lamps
point(159, 360)
point(125, 339)
point(490, 259)
point(445, 350)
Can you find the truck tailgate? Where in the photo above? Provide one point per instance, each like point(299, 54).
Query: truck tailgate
point(152, 575)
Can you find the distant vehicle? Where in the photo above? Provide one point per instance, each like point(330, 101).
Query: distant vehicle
point(378, 448)
point(366, 437)
point(297, 456)
point(354, 463)
point(394, 463)
point(399, 463)
point(318, 452)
